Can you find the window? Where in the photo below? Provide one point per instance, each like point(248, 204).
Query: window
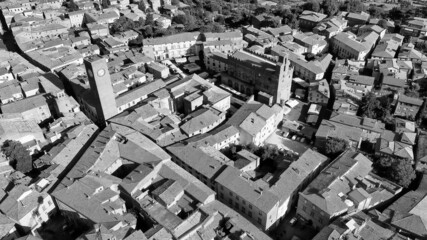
point(304, 208)
point(312, 214)
point(250, 206)
point(230, 201)
point(250, 214)
point(260, 213)
point(259, 221)
point(244, 202)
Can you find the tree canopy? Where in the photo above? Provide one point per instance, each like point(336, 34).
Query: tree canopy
point(18, 155)
point(105, 3)
point(331, 7)
point(72, 6)
point(376, 12)
point(355, 6)
point(373, 107)
point(334, 147)
point(397, 170)
point(213, 27)
point(121, 25)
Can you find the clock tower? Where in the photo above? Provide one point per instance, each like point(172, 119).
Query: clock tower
point(101, 88)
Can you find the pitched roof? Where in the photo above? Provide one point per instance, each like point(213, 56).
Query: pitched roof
point(6, 225)
point(202, 118)
point(194, 156)
point(139, 92)
point(312, 16)
point(285, 29)
point(26, 104)
point(176, 38)
point(392, 81)
point(252, 117)
point(360, 79)
point(333, 129)
point(93, 198)
point(20, 201)
point(410, 100)
point(409, 213)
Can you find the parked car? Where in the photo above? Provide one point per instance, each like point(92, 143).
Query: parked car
point(293, 221)
point(285, 134)
point(302, 140)
point(294, 137)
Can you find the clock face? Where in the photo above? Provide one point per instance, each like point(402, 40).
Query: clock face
point(89, 72)
point(101, 72)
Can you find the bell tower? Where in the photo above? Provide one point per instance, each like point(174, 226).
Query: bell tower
point(101, 88)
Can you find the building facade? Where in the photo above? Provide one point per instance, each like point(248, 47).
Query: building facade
point(250, 72)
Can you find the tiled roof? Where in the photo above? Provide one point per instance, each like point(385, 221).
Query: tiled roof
point(139, 92)
point(202, 118)
point(388, 80)
point(26, 104)
point(84, 197)
point(312, 16)
point(360, 79)
point(195, 157)
point(410, 100)
point(176, 38)
point(409, 213)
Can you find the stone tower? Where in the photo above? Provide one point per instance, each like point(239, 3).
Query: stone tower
point(101, 88)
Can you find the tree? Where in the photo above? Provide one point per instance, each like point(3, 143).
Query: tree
point(334, 147)
point(330, 7)
point(422, 46)
point(191, 23)
point(121, 25)
point(236, 17)
point(383, 23)
point(368, 105)
point(18, 155)
point(413, 90)
point(137, 41)
point(355, 6)
point(220, 19)
point(261, 10)
point(412, 93)
point(395, 14)
point(105, 3)
point(215, 7)
point(312, 5)
point(271, 22)
point(180, 19)
point(149, 20)
point(72, 6)
point(376, 12)
point(214, 27)
point(398, 170)
point(148, 31)
point(373, 107)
